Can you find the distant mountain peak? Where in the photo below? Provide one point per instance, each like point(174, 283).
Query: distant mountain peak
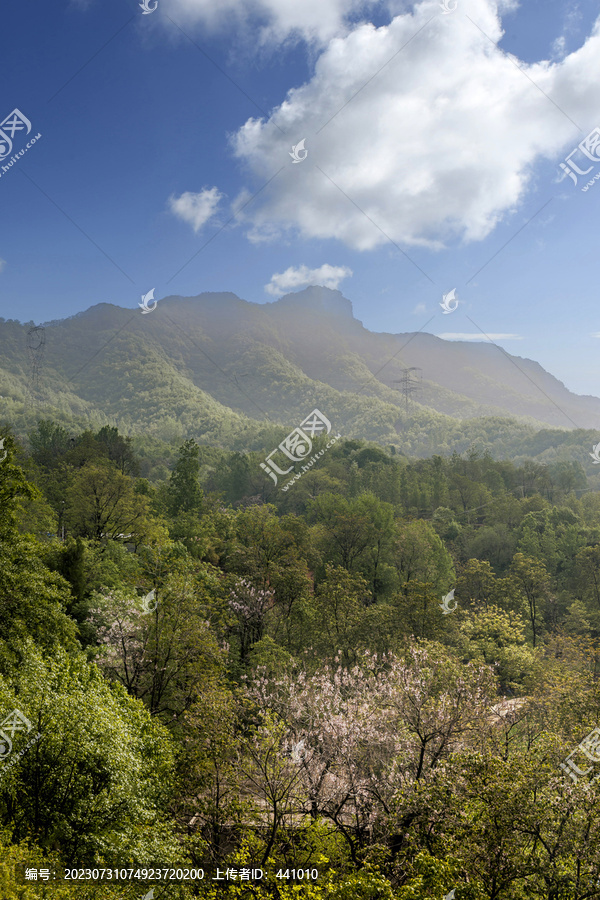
point(318, 298)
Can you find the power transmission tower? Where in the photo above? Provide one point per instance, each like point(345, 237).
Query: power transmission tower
point(408, 383)
point(36, 340)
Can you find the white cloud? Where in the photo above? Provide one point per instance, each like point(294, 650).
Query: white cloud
point(196, 209)
point(572, 24)
point(2, 264)
point(419, 310)
point(301, 276)
point(274, 20)
point(458, 336)
point(559, 45)
point(440, 145)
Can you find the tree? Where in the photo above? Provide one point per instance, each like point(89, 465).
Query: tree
point(476, 583)
point(420, 555)
point(250, 605)
point(49, 443)
point(587, 574)
point(337, 614)
point(103, 503)
point(531, 580)
point(346, 528)
point(362, 737)
point(376, 564)
point(96, 781)
point(32, 597)
point(118, 449)
point(162, 654)
point(184, 492)
point(15, 490)
point(209, 798)
point(497, 638)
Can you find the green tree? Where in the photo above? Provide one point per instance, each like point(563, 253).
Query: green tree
point(345, 527)
point(531, 580)
point(118, 449)
point(420, 555)
point(49, 442)
point(185, 494)
point(103, 503)
point(96, 782)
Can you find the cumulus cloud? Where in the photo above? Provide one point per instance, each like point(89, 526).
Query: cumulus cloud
point(440, 145)
point(274, 20)
point(458, 336)
point(301, 276)
point(196, 209)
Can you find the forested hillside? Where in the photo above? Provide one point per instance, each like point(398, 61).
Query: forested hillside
point(229, 373)
point(376, 674)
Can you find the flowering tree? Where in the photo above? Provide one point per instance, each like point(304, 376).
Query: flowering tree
point(250, 606)
point(361, 736)
point(163, 655)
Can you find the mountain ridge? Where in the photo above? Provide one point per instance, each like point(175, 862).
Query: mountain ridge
point(224, 369)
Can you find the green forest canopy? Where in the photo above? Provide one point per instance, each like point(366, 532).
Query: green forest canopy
point(295, 695)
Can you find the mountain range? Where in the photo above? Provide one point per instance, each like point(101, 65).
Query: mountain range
point(240, 374)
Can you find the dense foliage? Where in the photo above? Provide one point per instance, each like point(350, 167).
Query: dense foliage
point(219, 671)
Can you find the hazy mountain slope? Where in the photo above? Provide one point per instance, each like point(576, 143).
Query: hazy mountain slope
point(215, 366)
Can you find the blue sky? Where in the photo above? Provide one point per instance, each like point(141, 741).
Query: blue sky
point(432, 162)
